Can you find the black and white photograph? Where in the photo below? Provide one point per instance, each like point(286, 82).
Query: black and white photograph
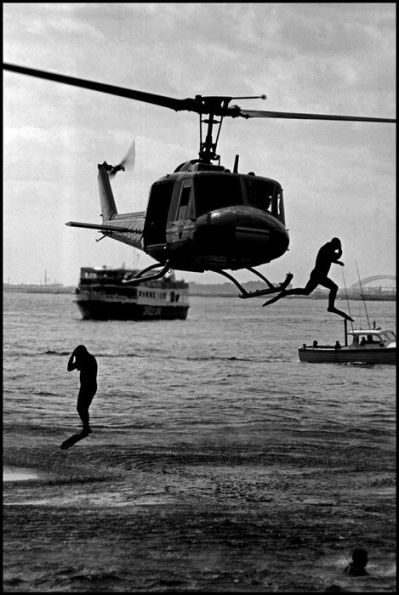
point(199, 297)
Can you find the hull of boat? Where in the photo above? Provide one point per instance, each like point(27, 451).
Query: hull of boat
point(106, 310)
point(346, 356)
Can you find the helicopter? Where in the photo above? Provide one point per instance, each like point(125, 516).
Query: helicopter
point(202, 216)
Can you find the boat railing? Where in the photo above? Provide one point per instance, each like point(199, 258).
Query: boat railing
point(318, 346)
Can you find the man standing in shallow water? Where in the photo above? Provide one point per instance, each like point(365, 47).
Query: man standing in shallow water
point(86, 363)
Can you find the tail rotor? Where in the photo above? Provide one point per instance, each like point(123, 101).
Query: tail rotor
point(127, 162)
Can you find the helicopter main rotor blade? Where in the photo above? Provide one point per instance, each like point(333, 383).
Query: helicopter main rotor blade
point(215, 105)
point(170, 102)
point(301, 116)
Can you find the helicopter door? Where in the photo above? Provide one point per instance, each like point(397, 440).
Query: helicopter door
point(157, 213)
point(181, 226)
point(185, 209)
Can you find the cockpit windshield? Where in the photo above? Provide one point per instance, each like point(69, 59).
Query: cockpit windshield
point(216, 192)
point(265, 195)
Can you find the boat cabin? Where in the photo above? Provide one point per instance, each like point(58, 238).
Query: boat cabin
point(372, 338)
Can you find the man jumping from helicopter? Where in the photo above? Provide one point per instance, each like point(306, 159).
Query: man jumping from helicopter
point(327, 255)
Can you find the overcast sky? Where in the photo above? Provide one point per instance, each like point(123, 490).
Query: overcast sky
point(338, 177)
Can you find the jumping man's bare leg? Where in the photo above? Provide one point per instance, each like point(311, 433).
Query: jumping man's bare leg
point(331, 299)
point(275, 298)
point(340, 313)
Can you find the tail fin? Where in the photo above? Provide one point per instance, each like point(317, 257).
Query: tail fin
point(108, 207)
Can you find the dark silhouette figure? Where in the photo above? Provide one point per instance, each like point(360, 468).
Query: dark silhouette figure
point(328, 254)
point(337, 345)
point(86, 363)
point(359, 562)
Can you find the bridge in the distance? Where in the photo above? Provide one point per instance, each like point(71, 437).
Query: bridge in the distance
point(368, 280)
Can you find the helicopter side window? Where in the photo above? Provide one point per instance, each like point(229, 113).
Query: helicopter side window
point(184, 200)
point(214, 191)
point(278, 205)
point(261, 194)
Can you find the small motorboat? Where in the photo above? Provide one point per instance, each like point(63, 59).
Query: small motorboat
point(367, 346)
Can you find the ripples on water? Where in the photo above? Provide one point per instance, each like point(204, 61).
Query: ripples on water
point(229, 375)
point(230, 362)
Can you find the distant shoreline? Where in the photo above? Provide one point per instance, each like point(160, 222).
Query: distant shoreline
point(196, 290)
point(37, 288)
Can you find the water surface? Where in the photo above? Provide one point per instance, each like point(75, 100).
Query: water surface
point(218, 461)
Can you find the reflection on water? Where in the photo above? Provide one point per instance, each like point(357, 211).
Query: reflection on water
point(16, 474)
point(100, 500)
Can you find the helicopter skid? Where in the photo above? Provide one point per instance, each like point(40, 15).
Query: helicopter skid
point(249, 294)
point(140, 277)
point(272, 289)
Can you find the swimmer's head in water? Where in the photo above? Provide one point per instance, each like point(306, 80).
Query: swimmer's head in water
point(360, 557)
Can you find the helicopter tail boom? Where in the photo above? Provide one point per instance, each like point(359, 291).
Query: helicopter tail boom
point(126, 227)
point(108, 206)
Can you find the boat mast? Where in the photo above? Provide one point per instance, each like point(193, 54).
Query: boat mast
point(364, 301)
point(349, 310)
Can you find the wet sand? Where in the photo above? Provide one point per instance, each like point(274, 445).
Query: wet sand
point(180, 512)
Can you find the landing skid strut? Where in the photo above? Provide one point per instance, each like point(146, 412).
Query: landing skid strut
point(139, 278)
point(249, 294)
point(244, 293)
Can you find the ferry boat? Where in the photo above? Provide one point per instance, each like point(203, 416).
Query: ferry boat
point(102, 295)
point(367, 346)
